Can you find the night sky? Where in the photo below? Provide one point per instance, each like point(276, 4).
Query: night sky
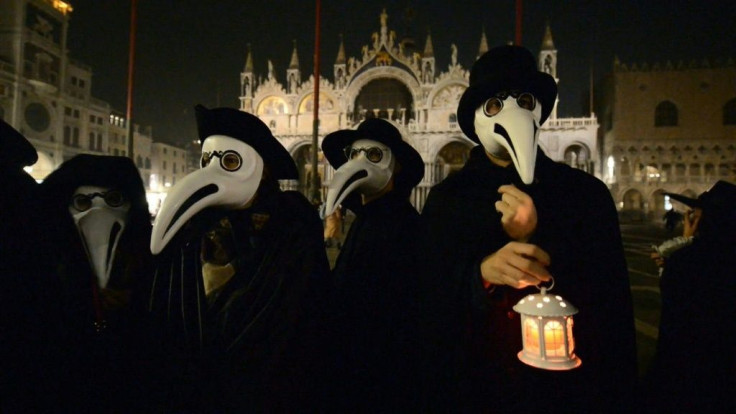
point(192, 51)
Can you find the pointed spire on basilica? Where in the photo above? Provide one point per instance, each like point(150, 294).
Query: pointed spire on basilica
point(428, 48)
point(248, 61)
point(483, 48)
point(340, 52)
point(294, 64)
point(547, 43)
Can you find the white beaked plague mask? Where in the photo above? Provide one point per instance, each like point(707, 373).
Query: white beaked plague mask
point(229, 177)
point(508, 128)
point(369, 169)
point(100, 215)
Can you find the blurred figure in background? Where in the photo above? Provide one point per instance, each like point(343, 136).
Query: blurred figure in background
point(694, 368)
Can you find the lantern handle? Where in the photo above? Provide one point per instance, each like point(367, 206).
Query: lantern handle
point(544, 289)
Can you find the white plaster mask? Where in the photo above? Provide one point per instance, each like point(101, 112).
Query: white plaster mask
point(509, 131)
point(229, 177)
point(364, 172)
point(100, 215)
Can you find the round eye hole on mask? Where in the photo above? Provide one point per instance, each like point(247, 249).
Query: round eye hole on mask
point(372, 154)
point(229, 160)
point(83, 202)
point(494, 105)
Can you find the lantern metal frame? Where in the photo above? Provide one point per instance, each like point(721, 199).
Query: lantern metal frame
point(538, 313)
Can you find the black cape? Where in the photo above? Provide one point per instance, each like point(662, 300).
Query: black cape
point(694, 367)
point(374, 275)
point(252, 345)
point(92, 369)
point(474, 337)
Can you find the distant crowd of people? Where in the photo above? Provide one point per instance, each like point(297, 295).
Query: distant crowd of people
point(228, 303)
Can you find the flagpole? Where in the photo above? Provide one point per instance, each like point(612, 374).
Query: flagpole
point(519, 9)
point(314, 190)
point(131, 66)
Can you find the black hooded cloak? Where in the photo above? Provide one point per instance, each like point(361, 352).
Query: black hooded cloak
point(94, 368)
point(249, 345)
point(374, 275)
point(474, 335)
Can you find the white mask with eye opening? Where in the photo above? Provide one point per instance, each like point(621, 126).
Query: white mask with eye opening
point(368, 170)
point(507, 126)
point(100, 215)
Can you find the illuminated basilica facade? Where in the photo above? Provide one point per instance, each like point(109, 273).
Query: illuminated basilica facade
point(390, 81)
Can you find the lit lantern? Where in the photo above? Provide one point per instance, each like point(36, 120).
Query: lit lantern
point(546, 329)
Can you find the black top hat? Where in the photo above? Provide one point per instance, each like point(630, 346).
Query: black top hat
point(15, 150)
point(504, 68)
point(376, 129)
point(249, 129)
point(722, 197)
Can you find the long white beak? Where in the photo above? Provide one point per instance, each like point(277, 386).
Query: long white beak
point(209, 187)
point(100, 229)
point(349, 177)
point(519, 139)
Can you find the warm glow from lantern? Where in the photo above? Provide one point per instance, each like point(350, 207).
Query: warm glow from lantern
point(531, 333)
point(554, 339)
point(546, 323)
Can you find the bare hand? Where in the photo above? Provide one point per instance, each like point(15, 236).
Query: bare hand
point(692, 218)
point(519, 216)
point(517, 265)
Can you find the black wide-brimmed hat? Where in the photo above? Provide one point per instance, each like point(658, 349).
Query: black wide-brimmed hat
point(504, 68)
point(15, 150)
point(380, 130)
point(722, 196)
point(249, 129)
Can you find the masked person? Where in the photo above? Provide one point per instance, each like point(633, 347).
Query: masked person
point(94, 227)
point(375, 270)
point(694, 367)
point(241, 273)
point(510, 221)
point(18, 289)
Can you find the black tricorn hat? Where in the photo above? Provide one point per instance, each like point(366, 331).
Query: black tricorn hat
point(249, 129)
point(15, 150)
point(504, 68)
point(380, 130)
point(721, 197)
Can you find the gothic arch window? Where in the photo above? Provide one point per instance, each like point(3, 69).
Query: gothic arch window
point(452, 119)
point(633, 200)
point(139, 162)
point(451, 159)
point(67, 135)
point(148, 163)
point(388, 95)
point(729, 112)
point(724, 170)
point(665, 114)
